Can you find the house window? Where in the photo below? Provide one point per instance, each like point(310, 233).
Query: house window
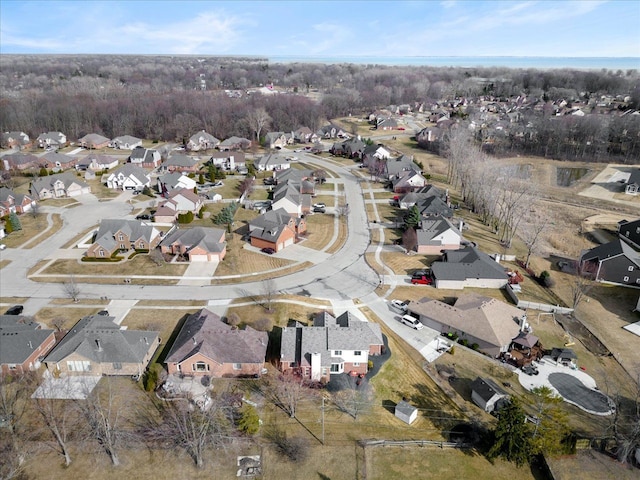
point(237, 366)
point(101, 253)
point(121, 237)
point(122, 246)
point(12, 366)
point(625, 279)
point(357, 353)
point(335, 367)
point(117, 366)
point(292, 364)
point(356, 364)
point(200, 367)
point(78, 366)
point(630, 268)
point(337, 353)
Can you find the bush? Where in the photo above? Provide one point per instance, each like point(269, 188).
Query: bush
point(264, 324)
point(249, 421)
point(151, 377)
point(546, 280)
point(370, 364)
point(452, 350)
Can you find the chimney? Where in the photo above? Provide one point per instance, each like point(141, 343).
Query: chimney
point(98, 344)
point(30, 345)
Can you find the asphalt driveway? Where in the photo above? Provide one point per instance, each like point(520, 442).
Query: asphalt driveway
point(576, 392)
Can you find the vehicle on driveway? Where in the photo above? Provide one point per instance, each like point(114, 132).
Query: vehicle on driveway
point(319, 210)
point(421, 280)
point(2, 246)
point(530, 370)
point(412, 322)
point(15, 310)
point(268, 250)
point(218, 184)
point(143, 216)
point(319, 205)
point(103, 313)
point(399, 305)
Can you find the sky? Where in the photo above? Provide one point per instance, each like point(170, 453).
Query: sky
point(546, 28)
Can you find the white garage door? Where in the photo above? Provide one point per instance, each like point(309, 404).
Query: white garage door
point(199, 258)
point(288, 242)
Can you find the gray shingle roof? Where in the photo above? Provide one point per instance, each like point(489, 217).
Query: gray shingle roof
point(204, 332)
point(129, 170)
point(209, 239)
point(179, 161)
point(19, 337)
point(468, 262)
point(612, 249)
point(98, 339)
point(66, 178)
point(486, 388)
point(134, 229)
point(431, 228)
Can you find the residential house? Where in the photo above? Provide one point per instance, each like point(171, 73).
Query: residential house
point(14, 202)
point(331, 131)
point(272, 161)
point(304, 177)
point(436, 235)
point(376, 151)
point(434, 207)
point(126, 142)
point(96, 162)
point(330, 346)
point(415, 198)
point(202, 141)
point(487, 322)
point(52, 139)
point(275, 229)
point(94, 141)
point(406, 412)
point(145, 157)
point(174, 181)
point(17, 140)
point(178, 201)
point(633, 184)
point(96, 345)
point(115, 235)
point(304, 135)
point(23, 344)
point(350, 148)
point(629, 231)
point(57, 161)
point(128, 177)
point(207, 346)
point(396, 166)
point(277, 140)
point(487, 395)
point(615, 262)
point(291, 196)
point(57, 186)
point(20, 161)
point(198, 244)
point(386, 124)
point(228, 160)
point(180, 163)
point(468, 267)
point(234, 143)
point(408, 181)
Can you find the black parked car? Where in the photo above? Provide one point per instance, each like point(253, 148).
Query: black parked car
point(268, 250)
point(15, 310)
point(144, 216)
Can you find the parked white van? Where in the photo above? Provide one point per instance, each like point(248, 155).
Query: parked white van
point(412, 322)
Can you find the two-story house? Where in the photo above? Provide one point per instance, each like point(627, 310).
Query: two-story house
point(115, 235)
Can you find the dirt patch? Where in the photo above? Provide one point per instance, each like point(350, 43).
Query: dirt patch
point(582, 333)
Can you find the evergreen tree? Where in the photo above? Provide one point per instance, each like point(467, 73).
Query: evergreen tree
point(201, 179)
point(552, 426)
point(212, 173)
point(249, 421)
point(512, 435)
point(43, 172)
point(412, 218)
point(15, 222)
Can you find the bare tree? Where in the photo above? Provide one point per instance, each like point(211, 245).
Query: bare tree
point(194, 429)
point(104, 421)
point(531, 231)
point(58, 323)
point(320, 175)
point(246, 186)
point(258, 120)
point(409, 239)
point(286, 391)
point(156, 257)
point(626, 426)
point(269, 291)
point(59, 420)
point(353, 401)
point(583, 281)
point(71, 288)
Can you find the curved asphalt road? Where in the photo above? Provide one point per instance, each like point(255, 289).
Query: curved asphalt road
point(343, 277)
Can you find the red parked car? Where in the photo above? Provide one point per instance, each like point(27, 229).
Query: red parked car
point(422, 280)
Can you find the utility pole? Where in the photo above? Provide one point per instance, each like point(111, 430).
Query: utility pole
point(323, 420)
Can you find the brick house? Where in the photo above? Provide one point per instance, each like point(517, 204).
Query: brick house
point(276, 229)
point(23, 344)
point(122, 235)
point(206, 345)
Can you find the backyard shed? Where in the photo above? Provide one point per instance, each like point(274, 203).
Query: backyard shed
point(406, 412)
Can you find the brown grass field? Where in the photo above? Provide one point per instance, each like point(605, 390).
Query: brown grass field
point(30, 228)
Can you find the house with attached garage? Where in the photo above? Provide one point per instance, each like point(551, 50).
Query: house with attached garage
point(96, 345)
point(276, 229)
point(289, 196)
point(174, 181)
point(202, 141)
point(487, 322)
point(331, 346)
point(58, 186)
point(272, 161)
point(178, 201)
point(96, 162)
point(14, 202)
point(436, 235)
point(115, 235)
point(20, 161)
point(94, 141)
point(468, 267)
point(23, 344)
point(228, 160)
point(57, 161)
point(633, 184)
point(410, 199)
point(407, 181)
point(126, 142)
point(615, 262)
point(145, 157)
point(197, 244)
point(17, 140)
point(128, 177)
point(179, 163)
point(52, 139)
point(205, 345)
point(234, 143)
point(277, 140)
point(629, 231)
point(486, 394)
point(304, 135)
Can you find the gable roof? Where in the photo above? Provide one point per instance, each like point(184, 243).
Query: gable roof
point(19, 338)
point(271, 159)
point(432, 206)
point(94, 139)
point(205, 333)
point(48, 182)
point(486, 388)
point(468, 262)
point(431, 228)
point(134, 229)
point(180, 161)
point(629, 231)
point(98, 339)
point(612, 249)
point(144, 154)
point(55, 157)
point(130, 170)
point(57, 137)
point(126, 139)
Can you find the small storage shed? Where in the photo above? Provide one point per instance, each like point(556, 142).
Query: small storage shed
point(406, 412)
point(487, 395)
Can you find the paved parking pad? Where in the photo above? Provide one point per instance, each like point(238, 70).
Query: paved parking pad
point(577, 393)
